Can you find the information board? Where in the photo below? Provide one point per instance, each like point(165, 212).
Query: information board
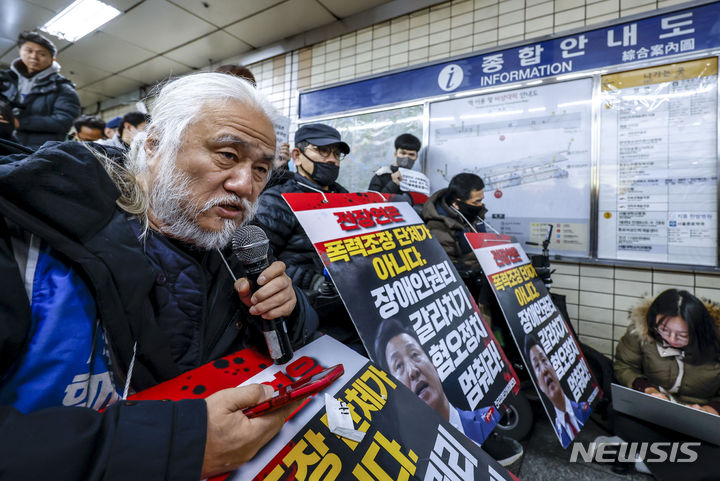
point(531, 146)
point(371, 138)
point(658, 167)
point(654, 38)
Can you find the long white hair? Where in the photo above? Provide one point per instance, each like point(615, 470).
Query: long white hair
point(178, 104)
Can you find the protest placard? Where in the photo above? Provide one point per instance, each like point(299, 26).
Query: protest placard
point(416, 318)
point(549, 349)
point(414, 181)
point(394, 446)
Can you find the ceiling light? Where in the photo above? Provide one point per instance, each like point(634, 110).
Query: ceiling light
point(79, 19)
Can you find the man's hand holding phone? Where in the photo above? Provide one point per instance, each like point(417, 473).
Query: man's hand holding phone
point(232, 438)
point(300, 389)
point(241, 420)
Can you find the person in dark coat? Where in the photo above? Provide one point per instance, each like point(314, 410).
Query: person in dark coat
point(317, 155)
point(387, 178)
point(451, 212)
point(671, 350)
point(131, 124)
point(88, 128)
point(44, 102)
point(112, 281)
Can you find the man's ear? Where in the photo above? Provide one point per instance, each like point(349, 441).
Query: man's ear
point(151, 146)
point(295, 154)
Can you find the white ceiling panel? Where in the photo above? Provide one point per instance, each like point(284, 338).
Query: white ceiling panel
point(89, 98)
point(343, 8)
point(8, 57)
point(158, 26)
point(106, 52)
point(121, 5)
point(282, 21)
point(154, 70)
point(80, 73)
point(214, 47)
point(224, 12)
point(113, 86)
point(59, 5)
point(7, 45)
point(19, 15)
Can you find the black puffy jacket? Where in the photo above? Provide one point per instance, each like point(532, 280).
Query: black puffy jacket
point(288, 239)
point(47, 112)
point(382, 181)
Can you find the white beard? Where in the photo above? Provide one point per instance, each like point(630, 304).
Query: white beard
point(178, 214)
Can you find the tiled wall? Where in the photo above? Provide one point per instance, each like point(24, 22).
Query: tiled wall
point(453, 28)
point(599, 297)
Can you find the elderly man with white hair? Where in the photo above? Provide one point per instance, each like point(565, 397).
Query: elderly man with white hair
point(112, 280)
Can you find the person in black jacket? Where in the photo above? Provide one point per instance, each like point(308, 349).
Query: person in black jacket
point(112, 281)
point(317, 155)
point(387, 178)
point(131, 124)
point(44, 102)
point(318, 152)
point(7, 122)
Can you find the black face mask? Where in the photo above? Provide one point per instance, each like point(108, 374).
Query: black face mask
point(324, 173)
point(471, 212)
point(405, 162)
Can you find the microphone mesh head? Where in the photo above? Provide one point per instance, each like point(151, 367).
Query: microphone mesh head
point(250, 244)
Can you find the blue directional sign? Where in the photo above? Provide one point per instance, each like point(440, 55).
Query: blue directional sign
point(655, 37)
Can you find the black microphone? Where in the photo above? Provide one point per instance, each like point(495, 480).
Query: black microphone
point(250, 246)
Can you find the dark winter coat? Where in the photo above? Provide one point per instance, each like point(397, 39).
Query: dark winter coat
point(177, 306)
point(449, 228)
point(640, 359)
point(47, 111)
point(382, 181)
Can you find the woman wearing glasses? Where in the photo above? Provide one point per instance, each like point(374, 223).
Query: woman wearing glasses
point(671, 350)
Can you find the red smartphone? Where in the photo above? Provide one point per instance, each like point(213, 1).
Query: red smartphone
point(301, 388)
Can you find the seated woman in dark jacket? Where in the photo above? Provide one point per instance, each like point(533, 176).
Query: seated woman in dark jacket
point(671, 350)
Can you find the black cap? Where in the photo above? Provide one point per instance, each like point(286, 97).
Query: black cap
point(320, 134)
point(29, 36)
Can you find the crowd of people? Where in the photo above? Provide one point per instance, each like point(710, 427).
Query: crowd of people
point(112, 278)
